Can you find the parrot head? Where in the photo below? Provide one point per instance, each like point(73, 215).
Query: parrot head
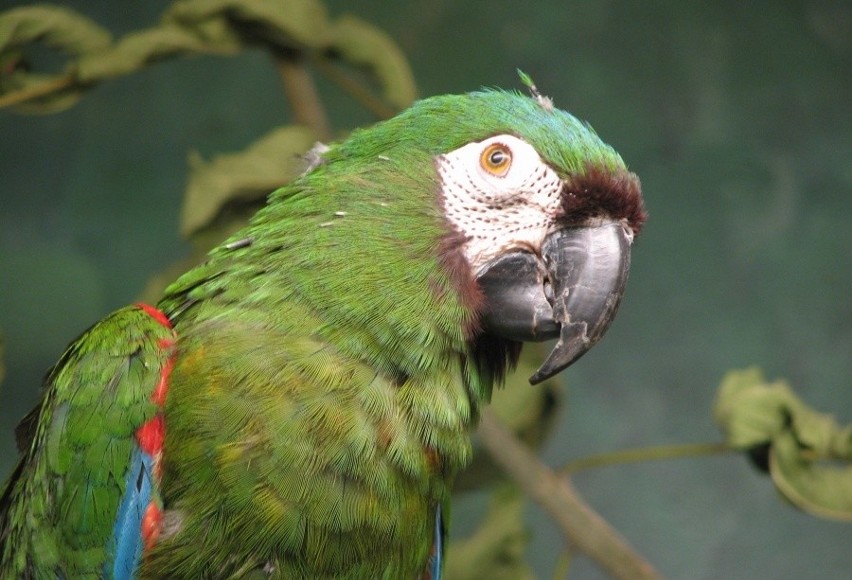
point(540, 213)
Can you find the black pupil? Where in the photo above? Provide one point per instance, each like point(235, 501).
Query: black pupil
point(497, 157)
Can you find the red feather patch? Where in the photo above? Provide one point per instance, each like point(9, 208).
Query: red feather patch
point(156, 314)
point(152, 523)
point(151, 435)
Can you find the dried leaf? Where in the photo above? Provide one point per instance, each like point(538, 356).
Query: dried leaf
point(364, 45)
point(810, 456)
point(59, 28)
point(269, 163)
point(295, 24)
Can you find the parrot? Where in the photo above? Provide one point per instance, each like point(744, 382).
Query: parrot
point(298, 405)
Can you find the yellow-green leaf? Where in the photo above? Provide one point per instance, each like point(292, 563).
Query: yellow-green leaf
point(295, 24)
point(362, 44)
point(269, 163)
point(821, 488)
point(810, 456)
point(59, 28)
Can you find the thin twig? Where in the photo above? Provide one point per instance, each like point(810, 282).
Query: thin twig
point(302, 93)
point(645, 454)
point(37, 91)
point(583, 527)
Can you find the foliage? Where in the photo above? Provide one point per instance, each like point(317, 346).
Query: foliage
point(807, 454)
point(190, 27)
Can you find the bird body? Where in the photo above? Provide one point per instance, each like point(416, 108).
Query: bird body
point(299, 404)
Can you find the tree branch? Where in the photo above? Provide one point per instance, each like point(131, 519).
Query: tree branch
point(582, 526)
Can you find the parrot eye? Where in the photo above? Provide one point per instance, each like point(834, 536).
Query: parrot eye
point(496, 159)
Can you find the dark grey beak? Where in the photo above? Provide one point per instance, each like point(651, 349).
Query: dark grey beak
point(571, 292)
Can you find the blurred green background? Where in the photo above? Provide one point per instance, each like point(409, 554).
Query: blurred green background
point(736, 117)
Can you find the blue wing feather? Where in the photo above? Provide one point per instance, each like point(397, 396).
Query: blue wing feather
point(126, 541)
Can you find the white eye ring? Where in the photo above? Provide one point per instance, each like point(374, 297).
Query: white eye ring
point(504, 162)
point(500, 194)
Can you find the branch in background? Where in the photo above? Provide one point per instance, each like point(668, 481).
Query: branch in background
point(583, 528)
point(302, 93)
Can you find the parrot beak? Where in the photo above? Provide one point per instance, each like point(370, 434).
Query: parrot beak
point(571, 292)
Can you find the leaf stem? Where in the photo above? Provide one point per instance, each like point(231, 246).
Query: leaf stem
point(644, 454)
point(36, 91)
point(301, 93)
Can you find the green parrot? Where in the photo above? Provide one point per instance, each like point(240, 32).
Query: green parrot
point(298, 405)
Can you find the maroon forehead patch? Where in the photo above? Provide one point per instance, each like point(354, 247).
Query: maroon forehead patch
point(602, 193)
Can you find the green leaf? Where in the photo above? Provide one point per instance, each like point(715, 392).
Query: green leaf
point(252, 174)
point(817, 487)
point(59, 28)
point(810, 456)
point(296, 24)
point(137, 50)
point(364, 45)
point(749, 410)
point(55, 26)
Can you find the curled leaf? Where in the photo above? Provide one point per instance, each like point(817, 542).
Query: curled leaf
point(59, 28)
point(809, 455)
point(366, 46)
point(55, 26)
point(137, 50)
point(248, 175)
point(295, 24)
point(817, 487)
point(297, 28)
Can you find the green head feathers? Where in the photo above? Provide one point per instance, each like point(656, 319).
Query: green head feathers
point(566, 143)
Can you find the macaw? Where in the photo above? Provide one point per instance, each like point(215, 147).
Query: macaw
point(298, 405)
